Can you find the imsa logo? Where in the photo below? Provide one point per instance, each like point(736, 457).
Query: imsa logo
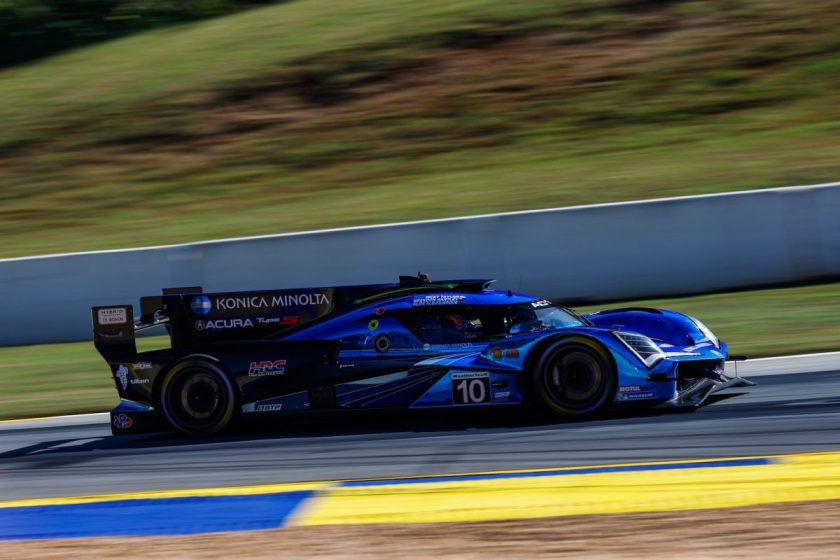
point(268, 367)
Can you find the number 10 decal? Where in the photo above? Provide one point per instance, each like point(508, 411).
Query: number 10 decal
point(471, 388)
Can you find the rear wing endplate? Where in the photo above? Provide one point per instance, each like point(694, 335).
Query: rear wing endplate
point(113, 332)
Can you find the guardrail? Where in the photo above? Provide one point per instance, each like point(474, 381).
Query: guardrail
point(601, 252)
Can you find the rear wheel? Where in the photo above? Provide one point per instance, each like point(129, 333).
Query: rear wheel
point(575, 377)
point(198, 398)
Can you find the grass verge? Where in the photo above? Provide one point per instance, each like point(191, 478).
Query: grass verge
point(70, 378)
point(325, 113)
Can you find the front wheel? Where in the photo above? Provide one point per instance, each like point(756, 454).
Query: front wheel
point(198, 398)
point(575, 377)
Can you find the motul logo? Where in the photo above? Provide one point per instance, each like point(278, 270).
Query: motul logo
point(260, 369)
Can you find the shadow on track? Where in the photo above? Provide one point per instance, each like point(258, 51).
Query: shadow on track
point(325, 424)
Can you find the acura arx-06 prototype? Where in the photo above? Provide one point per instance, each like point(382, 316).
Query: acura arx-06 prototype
point(414, 344)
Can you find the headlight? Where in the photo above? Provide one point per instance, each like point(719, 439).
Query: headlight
point(707, 332)
point(644, 348)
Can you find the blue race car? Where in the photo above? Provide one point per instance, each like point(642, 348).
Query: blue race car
point(414, 344)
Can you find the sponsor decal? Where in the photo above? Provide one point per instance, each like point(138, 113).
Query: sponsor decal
point(286, 321)
point(118, 334)
point(540, 303)
point(630, 389)
point(427, 347)
point(502, 395)
point(269, 407)
point(471, 375)
point(637, 396)
point(342, 366)
point(499, 353)
point(112, 316)
point(373, 325)
point(142, 365)
point(122, 375)
point(267, 367)
point(470, 387)
point(382, 343)
point(139, 381)
point(219, 324)
point(438, 300)
point(200, 305)
point(123, 421)
point(380, 311)
point(251, 303)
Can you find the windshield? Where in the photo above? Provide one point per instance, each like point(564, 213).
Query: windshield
point(539, 315)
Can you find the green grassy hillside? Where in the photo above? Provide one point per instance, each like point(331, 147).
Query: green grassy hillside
point(320, 113)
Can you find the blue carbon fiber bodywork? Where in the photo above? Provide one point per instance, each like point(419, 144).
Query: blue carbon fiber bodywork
point(423, 346)
point(505, 360)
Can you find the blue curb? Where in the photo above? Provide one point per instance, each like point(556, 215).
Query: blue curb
point(147, 517)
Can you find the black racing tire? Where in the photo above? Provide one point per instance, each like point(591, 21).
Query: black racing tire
point(198, 398)
point(575, 377)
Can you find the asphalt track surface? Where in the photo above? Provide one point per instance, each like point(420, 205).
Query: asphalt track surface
point(784, 413)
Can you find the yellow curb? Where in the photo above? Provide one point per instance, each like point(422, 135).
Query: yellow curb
point(789, 478)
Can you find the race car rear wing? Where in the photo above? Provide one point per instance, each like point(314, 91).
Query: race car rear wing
point(115, 327)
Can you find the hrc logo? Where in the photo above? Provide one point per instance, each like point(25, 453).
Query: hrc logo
point(269, 367)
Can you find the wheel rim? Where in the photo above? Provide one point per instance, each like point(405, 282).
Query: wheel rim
point(196, 401)
point(577, 380)
point(200, 396)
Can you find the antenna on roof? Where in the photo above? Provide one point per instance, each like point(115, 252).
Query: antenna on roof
point(418, 280)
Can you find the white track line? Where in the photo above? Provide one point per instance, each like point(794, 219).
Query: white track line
point(56, 421)
point(782, 365)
